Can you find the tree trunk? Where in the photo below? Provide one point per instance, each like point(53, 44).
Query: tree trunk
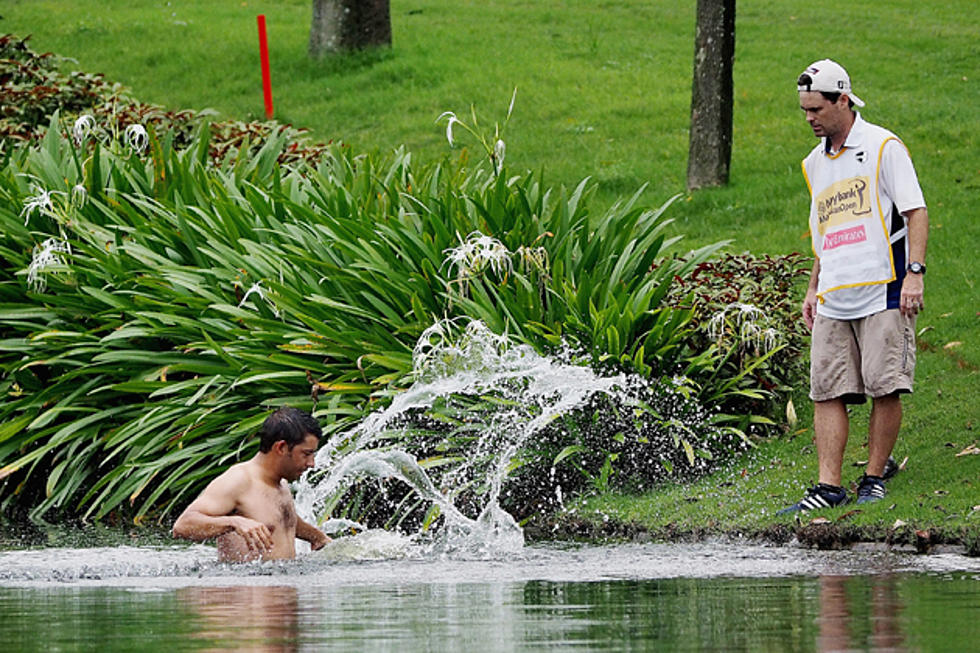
point(345, 25)
point(710, 154)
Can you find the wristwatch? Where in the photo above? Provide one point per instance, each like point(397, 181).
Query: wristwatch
point(917, 268)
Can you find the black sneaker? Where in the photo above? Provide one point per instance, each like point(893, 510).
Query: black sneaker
point(871, 489)
point(820, 495)
point(891, 468)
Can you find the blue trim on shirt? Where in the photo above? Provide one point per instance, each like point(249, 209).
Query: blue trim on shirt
point(893, 291)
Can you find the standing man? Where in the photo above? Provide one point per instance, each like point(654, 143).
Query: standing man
point(249, 508)
point(869, 226)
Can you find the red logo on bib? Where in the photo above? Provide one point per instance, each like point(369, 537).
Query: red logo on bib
point(845, 237)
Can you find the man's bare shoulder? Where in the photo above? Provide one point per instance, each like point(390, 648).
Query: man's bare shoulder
point(229, 486)
point(237, 474)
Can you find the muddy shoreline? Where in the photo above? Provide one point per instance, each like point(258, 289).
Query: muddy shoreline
point(816, 534)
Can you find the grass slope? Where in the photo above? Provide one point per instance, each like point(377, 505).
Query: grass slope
point(604, 91)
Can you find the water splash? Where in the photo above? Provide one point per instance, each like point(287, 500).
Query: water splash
point(526, 391)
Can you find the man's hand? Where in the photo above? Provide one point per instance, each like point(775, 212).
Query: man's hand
point(311, 534)
point(911, 300)
point(810, 309)
point(257, 536)
point(319, 541)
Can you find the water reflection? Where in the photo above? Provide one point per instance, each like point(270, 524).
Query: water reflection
point(608, 599)
point(249, 618)
point(860, 613)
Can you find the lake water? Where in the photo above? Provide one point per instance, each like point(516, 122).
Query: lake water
point(378, 595)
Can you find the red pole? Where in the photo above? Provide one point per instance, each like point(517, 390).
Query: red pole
point(266, 78)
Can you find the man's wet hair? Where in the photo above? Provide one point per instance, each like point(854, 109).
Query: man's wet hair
point(289, 424)
point(806, 80)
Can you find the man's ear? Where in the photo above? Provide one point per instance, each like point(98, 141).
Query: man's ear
point(280, 447)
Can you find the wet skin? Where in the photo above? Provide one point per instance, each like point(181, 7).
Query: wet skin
point(250, 510)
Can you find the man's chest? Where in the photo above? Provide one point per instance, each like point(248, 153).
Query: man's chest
point(272, 506)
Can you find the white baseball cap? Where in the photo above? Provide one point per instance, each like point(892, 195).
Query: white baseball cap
point(827, 76)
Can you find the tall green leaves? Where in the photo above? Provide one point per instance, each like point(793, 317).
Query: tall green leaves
point(184, 301)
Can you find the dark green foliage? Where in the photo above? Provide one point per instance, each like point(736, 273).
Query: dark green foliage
point(748, 307)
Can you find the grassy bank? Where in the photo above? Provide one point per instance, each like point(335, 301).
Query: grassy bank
point(605, 93)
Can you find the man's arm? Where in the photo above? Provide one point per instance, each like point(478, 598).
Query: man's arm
point(912, 287)
point(209, 515)
point(310, 533)
point(810, 301)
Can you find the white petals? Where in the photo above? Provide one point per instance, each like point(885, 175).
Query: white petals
point(751, 324)
point(44, 256)
point(82, 128)
point(499, 152)
point(534, 260)
point(78, 195)
point(39, 203)
point(493, 145)
point(449, 125)
point(136, 137)
point(257, 289)
point(477, 253)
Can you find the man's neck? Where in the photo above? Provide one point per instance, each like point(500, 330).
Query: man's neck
point(837, 140)
point(267, 472)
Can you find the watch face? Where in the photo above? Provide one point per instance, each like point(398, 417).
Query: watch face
point(917, 268)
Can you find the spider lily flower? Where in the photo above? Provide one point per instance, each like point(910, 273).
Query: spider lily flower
point(257, 289)
point(534, 259)
point(40, 202)
point(751, 323)
point(78, 195)
point(452, 119)
point(136, 137)
point(82, 128)
point(44, 256)
point(499, 152)
point(477, 253)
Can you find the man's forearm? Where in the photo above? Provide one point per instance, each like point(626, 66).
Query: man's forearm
point(918, 228)
point(310, 533)
point(194, 525)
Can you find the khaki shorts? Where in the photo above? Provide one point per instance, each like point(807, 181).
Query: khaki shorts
point(873, 356)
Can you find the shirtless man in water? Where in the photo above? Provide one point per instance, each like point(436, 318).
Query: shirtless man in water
point(249, 508)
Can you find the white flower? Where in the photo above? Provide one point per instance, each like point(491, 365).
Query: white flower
point(44, 256)
point(716, 325)
point(499, 152)
point(84, 126)
point(534, 259)
point(478, 252)
point(136, 137)
point(78, 195)
point(260, 291)
point(752, 326)
point(40, 202)
point(449, 126)
point(791, 418)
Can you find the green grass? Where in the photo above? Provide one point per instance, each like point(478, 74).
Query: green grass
point(604, 91)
